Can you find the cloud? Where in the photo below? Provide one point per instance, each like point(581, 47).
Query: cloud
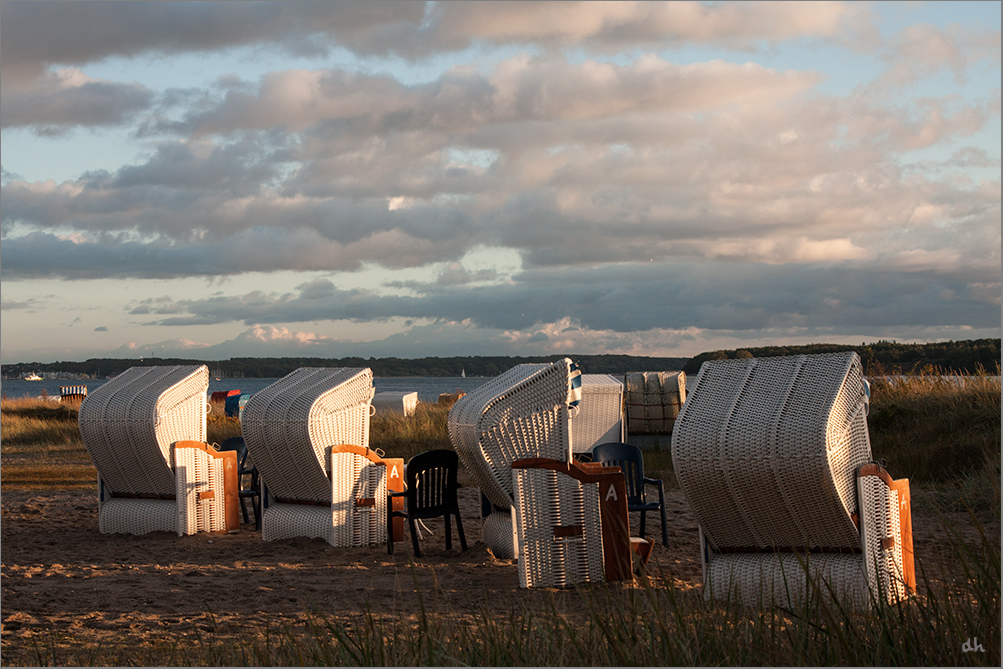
point(35, 35)
point(67, 98)
point(101, 328)
point(627, 299)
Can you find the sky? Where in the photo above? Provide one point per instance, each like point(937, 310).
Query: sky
point(223, 179)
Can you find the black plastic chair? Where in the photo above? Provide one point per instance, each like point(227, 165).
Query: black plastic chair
point(430, 491)
point(630, 459)
point(254, 490)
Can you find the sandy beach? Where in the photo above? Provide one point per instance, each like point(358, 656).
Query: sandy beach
point(67, 587)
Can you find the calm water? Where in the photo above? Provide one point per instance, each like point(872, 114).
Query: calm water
point(428, 387)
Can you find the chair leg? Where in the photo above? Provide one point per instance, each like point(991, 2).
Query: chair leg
point(459, 530)
point(390, 532)
point(665, 529)
point(449, 532)
point(414, 536)
point(644, 515)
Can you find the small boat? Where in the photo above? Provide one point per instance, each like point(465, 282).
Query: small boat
point(463, 373)
point(31, 377)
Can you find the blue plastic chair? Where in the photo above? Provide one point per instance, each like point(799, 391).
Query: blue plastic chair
point(631, 461)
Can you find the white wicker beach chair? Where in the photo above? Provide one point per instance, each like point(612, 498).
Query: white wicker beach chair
point(600, 414)
point(308, 434)
point(145, 432)
point(774, 457)
point(525, 412)
point(571, 523)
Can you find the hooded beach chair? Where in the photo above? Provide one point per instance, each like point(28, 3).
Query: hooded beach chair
point(308, 434)
point(774, 458)
point(525, 412)
point(145, 431)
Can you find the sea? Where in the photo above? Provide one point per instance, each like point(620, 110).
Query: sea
point(428, 387)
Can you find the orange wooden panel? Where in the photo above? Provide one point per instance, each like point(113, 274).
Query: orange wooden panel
point(905, 527)
point(395, 483)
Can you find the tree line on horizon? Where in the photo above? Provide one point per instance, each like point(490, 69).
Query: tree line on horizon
point(884, 357)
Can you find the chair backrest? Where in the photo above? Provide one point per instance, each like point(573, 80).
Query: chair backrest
point(630, 461)
point(525, 412)
point(236, 444)
point(431, 482)
point(130, 424)
point(766, 450)
point(290, 427)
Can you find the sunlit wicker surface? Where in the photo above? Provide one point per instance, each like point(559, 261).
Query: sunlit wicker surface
point(882, 542)
point(559, 529)
point(130, 423)
point(766, 450)
point(600, 416)
point(522, 413)
point(290, 426)
point(200, 491)
point(359, 499)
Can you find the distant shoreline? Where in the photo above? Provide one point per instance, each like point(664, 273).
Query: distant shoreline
point(880, 358)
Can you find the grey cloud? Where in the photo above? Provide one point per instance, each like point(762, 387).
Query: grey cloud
point(34, 34)
point(101, 328)
point(54, 109)
point(627, 299)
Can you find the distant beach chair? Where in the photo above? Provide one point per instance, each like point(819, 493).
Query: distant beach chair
point(308, 435)
point(600, 415)
point(774, 458)
point(145, 431)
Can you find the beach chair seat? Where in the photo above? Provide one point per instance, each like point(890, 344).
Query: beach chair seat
point(522, 413)
point(145, 431)
point(308, 434)
point(774, 458)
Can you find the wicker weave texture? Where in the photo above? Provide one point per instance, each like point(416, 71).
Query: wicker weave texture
point(137, 516)
point(600, 415)
point(290, 426)
point(558, 528)
point(521, 413)
point(496, 533)
point(359, 501)
point(766, 450)
point(200, 492)
point(285, 521)
point(756, 579)
point(654, 400)
point(882, 541)
point(130, 423)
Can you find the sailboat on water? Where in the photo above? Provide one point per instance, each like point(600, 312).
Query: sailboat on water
point(463, 373)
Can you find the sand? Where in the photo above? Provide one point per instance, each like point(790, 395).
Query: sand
point(66, 586)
